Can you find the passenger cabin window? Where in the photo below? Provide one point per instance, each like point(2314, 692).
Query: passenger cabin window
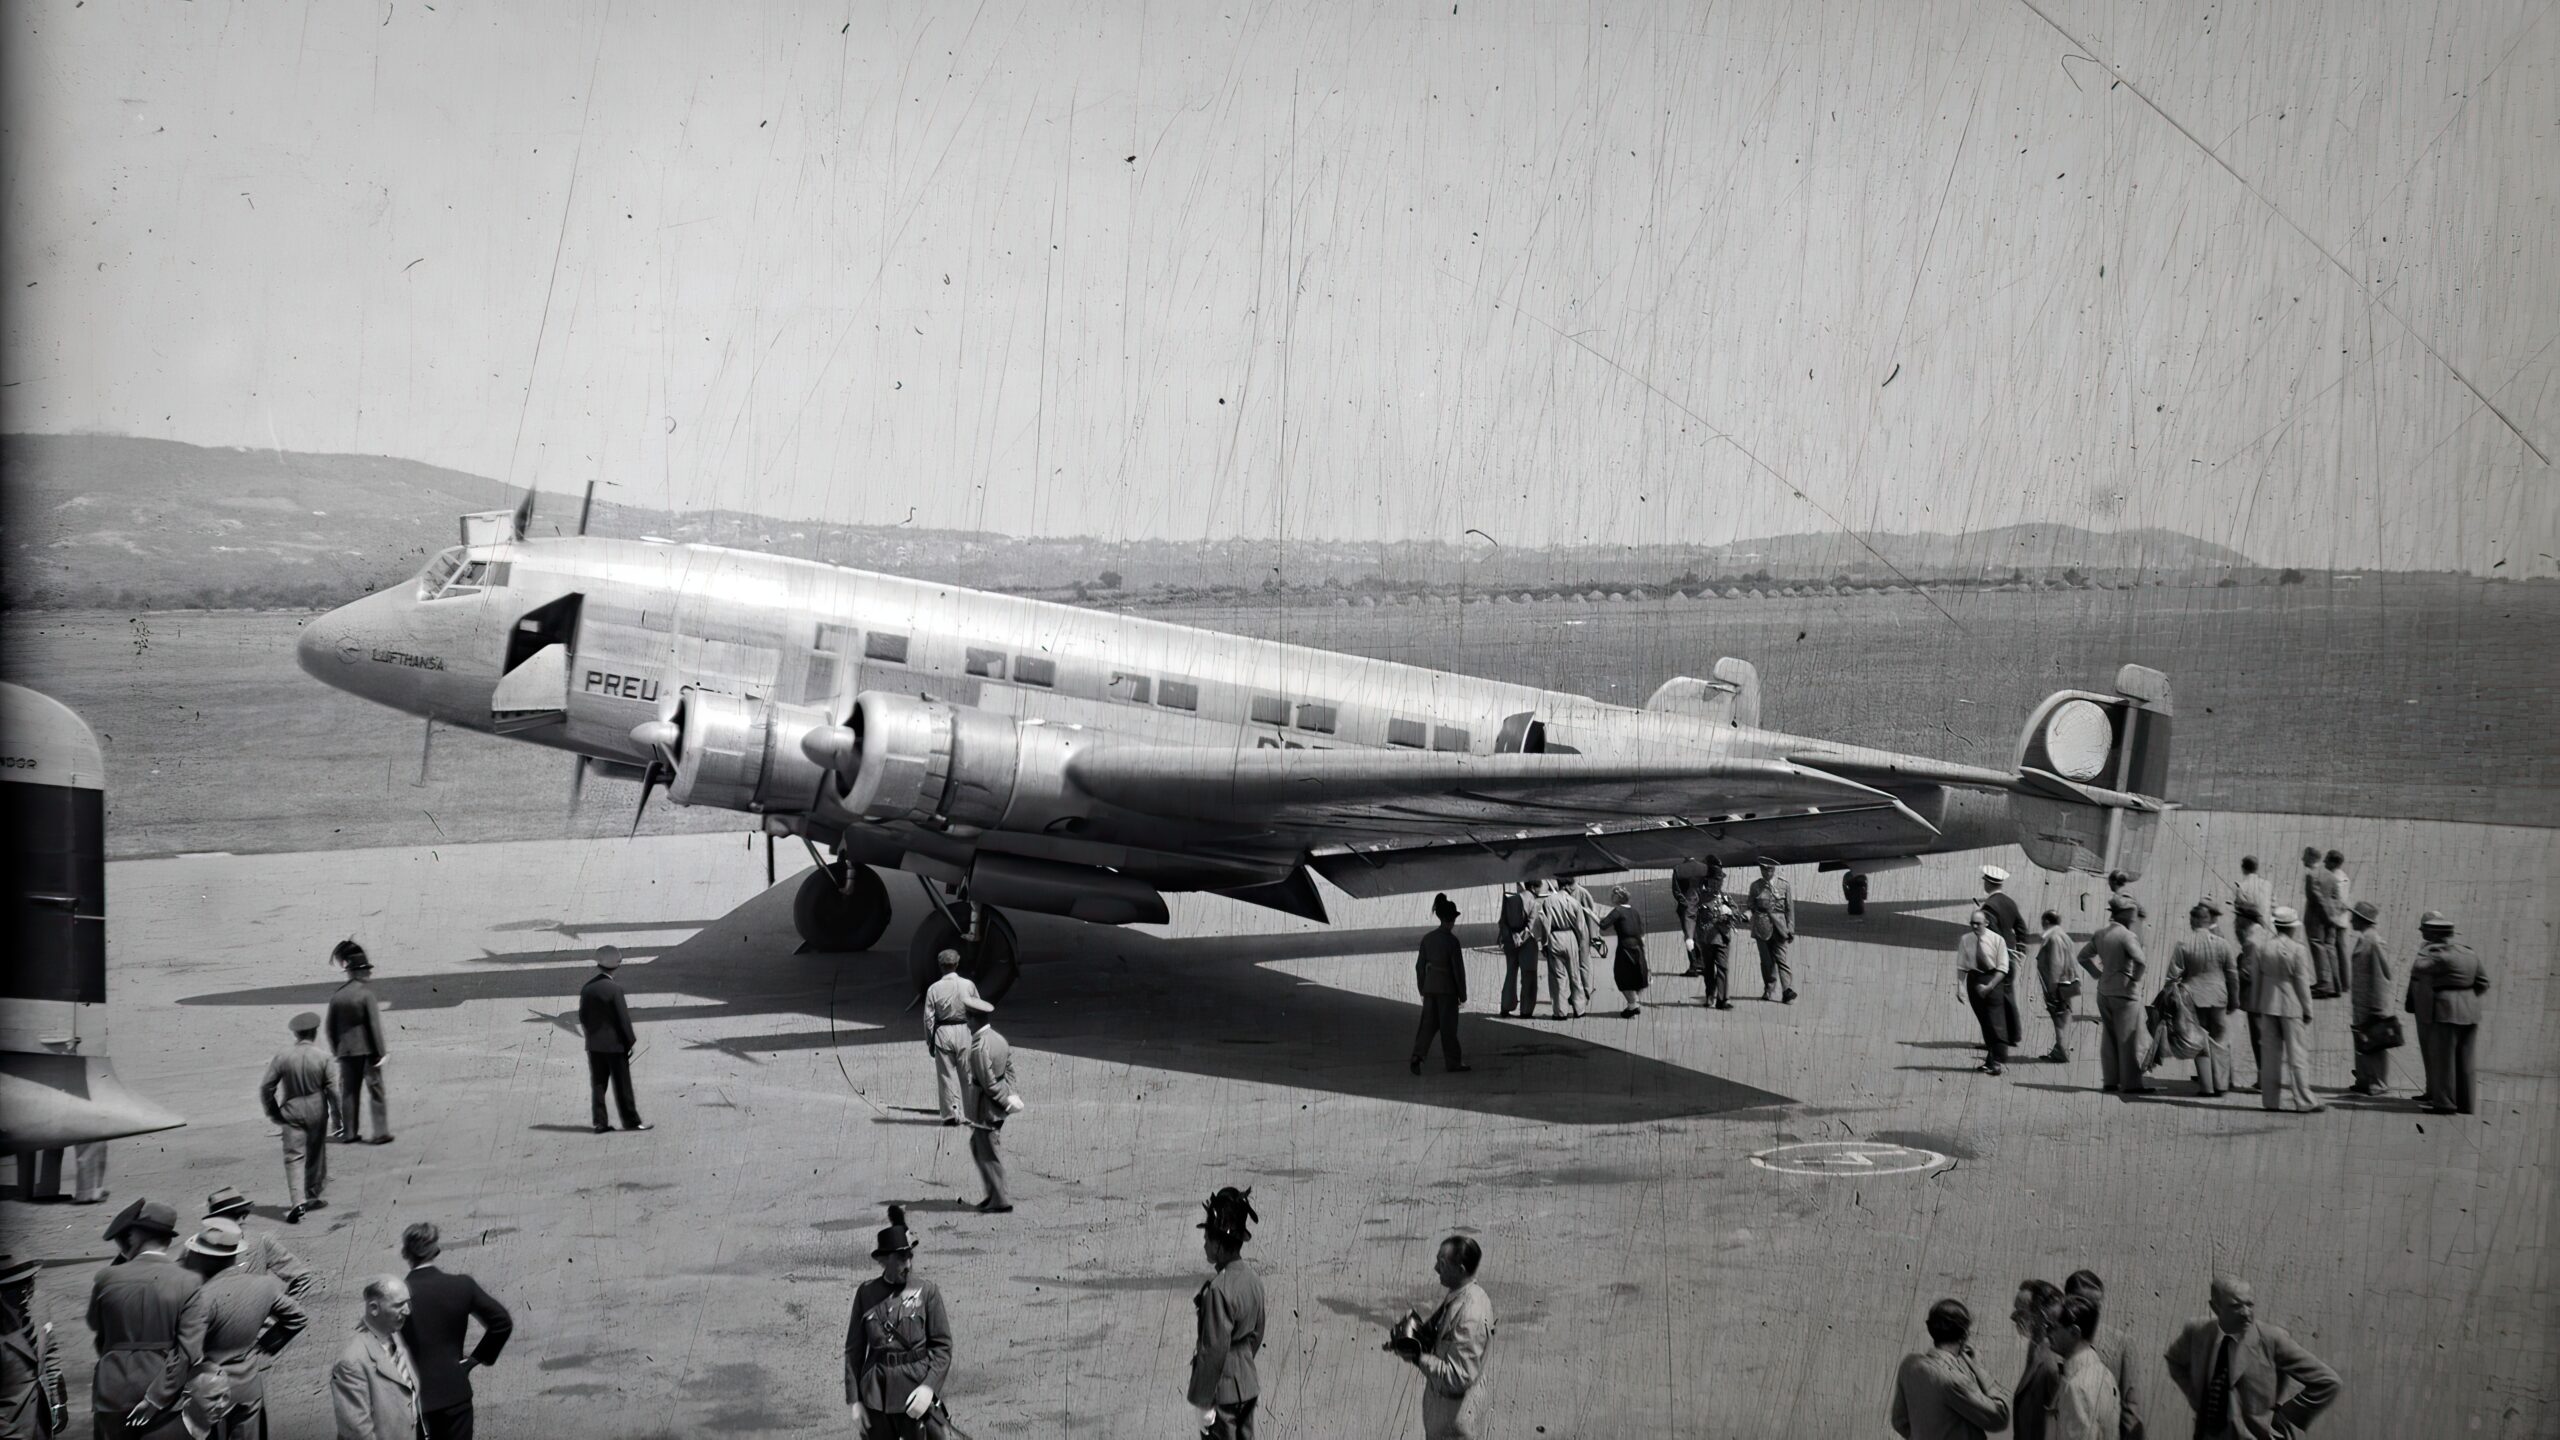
point(1132, 688)
point(1409, 733)
point(1032, 670)
point(1318, 718)
point(1448, 737)
point(892, 648)
point(1270, 710)
point(838, 638)
point(988, 664)
point(1178, 695)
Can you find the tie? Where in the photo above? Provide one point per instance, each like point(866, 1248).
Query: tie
point(2216, 1413)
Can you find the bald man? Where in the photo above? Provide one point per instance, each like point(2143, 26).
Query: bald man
point(2246, 1380)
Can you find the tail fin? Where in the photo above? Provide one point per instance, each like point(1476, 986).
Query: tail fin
point(2093, 773)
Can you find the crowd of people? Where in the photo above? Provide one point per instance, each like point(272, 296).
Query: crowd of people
point(2270, 970)
point(2242, 1379)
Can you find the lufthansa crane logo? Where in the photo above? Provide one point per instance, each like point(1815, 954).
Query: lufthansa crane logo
point(1839, 1158)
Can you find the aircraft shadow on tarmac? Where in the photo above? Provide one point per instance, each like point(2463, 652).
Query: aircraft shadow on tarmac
point(1209, 1006)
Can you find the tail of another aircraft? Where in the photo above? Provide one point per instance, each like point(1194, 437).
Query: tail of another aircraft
point(2093, 773)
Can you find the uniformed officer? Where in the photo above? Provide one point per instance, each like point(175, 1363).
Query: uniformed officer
point(1715, 948)
point(2446, 982)
point(133, 1313)
point(2114, 958)
point(1440, 974)
point(897, 1347)
point(991, 1092)
point(604, 1018)
point(1772, 903)
point(1225, 1386)
point(946, 1036)
point(2010, 924)
point(1519, 952)
point(356, 1038)
point(295, 1095)
point(34, 1402)
point(259, 1254)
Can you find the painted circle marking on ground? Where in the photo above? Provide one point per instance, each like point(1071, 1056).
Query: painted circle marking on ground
point(1839, 1158)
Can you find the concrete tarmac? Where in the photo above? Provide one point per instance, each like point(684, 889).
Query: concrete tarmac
point(1651, 1277)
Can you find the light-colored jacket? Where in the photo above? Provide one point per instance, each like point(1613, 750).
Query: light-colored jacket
point(374, 1389)
point(2275, 973)
point(1451, 1367)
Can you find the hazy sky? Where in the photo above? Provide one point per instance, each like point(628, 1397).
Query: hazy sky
point(1564, 273)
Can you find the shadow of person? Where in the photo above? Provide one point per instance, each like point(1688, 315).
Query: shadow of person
point(1211, 1006)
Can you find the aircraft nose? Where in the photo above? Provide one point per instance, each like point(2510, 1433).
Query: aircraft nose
point(327, 647)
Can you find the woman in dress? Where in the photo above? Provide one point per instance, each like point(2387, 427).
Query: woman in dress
point(1632, 973)
point(1982, 963)
point(897, 1350)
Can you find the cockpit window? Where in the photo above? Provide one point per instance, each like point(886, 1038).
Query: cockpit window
point(454, 573)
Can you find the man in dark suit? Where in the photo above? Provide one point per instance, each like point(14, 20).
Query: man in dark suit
point(356, 1038)
point(134, 1305)
point(2246, 1381)
point(1440, 973)
point(604, 1015)
point(236, 1322)
point(2010, 924)
point(2446, 982)
point(441, 1309)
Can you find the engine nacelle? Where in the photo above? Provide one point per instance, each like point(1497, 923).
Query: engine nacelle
point(741, 754)
point(929, 761)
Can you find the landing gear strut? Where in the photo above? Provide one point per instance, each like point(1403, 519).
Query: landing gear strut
point(841, 907)
point(987, 958)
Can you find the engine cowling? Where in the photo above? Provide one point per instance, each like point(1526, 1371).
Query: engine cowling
point(905, 758)
point(740, 754)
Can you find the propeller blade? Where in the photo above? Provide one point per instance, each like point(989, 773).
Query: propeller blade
point(586, 505)
point(577, 782)
point(648, 783)
point(426, 747)
point(768, 859)
point(524, 512)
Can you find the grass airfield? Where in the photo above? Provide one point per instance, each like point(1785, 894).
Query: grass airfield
point(1651, 1278)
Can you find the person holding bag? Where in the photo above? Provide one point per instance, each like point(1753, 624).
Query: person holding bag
point(2377, 1030)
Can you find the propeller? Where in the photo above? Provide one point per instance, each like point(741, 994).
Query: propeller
point(577, 782)
point(660, 737)
point(524, 512)
point(586, 505)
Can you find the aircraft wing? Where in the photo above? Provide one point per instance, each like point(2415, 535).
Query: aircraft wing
point(1419, 794)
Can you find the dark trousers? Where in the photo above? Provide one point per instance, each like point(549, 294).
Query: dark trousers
point(1440, 1017)
point(2430, 1040)
point(2120, 1043)
point(1995, 1025)
point(982, 1148)
point(306, 1159)
point(453, 1422)
point(1775, 973)
point(2449, 1068)
point(615, 1067)
point(1235, 1422)
point(2213, 1067)
point(1716, 960)
point(890, 1425)
point(1519, 976)
point(361, 1072)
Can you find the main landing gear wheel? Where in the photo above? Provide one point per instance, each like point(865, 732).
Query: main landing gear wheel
point(830, 917)
point(989, 960)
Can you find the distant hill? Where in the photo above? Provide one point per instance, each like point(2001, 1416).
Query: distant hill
point(110, 521)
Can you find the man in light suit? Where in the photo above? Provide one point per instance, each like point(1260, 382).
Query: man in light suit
point(373, 1387)
point(946, 1036)
point(1588, 927)
point(1941, 1393)
point(1563, 938)
point(2331, 892)
point(2244, 1380)
point(1772, 903)
point(2277, 978)
point(1449, 1348)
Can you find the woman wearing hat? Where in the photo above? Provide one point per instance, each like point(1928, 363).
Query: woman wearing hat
point(1627, 961)
point(897, 1350)
point(1225, 1387)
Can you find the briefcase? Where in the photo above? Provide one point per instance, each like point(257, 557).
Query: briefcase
point(2376, 1036)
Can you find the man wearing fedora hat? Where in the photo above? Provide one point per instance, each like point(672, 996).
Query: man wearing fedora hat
point(2114, 958)
point(1225, 1385)
point(133, 1313)
point(1772, 904)
point(295, 1095)
point(2369, 981)
point(356, 1037)
point(897, 1348)
point(33, 1402)
point(1440, 973)
point(604, 1017)
point(991, 1090)
point(236, 1323)
point(259, 1253)
point(2446, 982)
point(2277, 978)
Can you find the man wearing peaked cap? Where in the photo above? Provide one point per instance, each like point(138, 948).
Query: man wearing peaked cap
point(1440, 974)
point(259, 1253)
point(2114, 958)
point(2277, 976)
point(357, 1038)
point(604, 1017)
point(133, 1316)
point(2010, 924)
point(295, 1096)
point(991, 1090)
point(2446, 982)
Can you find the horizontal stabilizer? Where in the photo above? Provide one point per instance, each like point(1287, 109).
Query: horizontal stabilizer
point(56, 1100)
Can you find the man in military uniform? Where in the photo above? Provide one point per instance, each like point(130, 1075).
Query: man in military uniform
point(1440, 974)
point(946, 1036)
point(991, 1090)
point(259, 1253)
point(356, 1038)
point(897, 1348)
point(1225, 1385)
point(2446, 982)
point(236, 1323)
point(33, 1404)
point(2114, 958)
point(295, 1095)
point(133, 1313)
point(604, 1017)
point(2010, 924)
point(1772, 903)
